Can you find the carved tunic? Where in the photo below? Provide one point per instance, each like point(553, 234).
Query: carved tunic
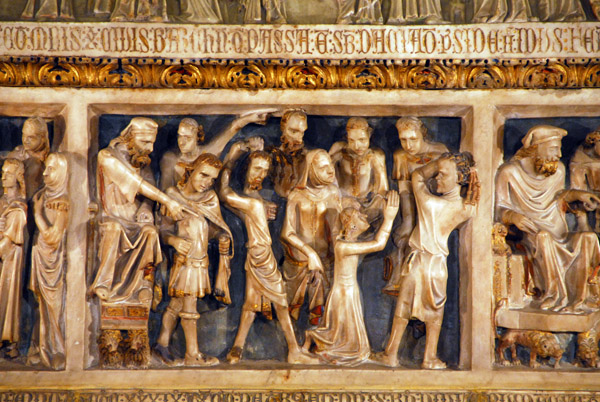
point(49, 9)
point(560, 10)
point(558, 259)
point(200, 12)
point(406, 11)
point(48, 269)
point(365, 12)
point(362, 177)
point(189, 275)
point(422, 291)
point(15, 213)
point(264, 283)
point(404, 165)
point(502, 11)
point(286, 170)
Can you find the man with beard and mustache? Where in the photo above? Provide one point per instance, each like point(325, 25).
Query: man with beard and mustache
point(290, 157)
point(264, 283)
point(530, 194)
point(190, 144)
point(129, 242)
point(360, 170)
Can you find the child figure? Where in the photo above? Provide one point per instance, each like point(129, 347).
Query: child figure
point(342, 337)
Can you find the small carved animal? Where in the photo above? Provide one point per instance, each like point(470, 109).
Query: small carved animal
point(587, 348)
point(542, 344)
point(136, 349)
point(110, 351)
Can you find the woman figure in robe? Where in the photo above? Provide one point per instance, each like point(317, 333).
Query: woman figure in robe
point(48, 265)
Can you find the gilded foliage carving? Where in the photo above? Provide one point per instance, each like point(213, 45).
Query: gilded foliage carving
point(308, 75)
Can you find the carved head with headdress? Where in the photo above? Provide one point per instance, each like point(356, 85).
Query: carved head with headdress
point(200, 175)
point(13, 175)
point(293, 125)
point(318, 171)
point(543, 143)
point(56, 175)
point(139, 136)
point(35, 138)
point(189, 135)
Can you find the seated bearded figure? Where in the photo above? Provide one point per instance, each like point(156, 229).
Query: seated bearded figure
point(531, 195)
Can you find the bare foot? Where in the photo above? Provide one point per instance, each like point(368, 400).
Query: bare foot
point(434, 364)
point(200, 360)
point(301, 357)
point(235, 355)
point(385, 359)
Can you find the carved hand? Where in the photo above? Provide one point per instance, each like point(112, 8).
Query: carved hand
point(271, 211)
point(181, 245)
point(255, 144)
point(224, 244)
point(392, 204)
point(521, 221)
point(2, 224)
point(314, 261)
point(175, 209)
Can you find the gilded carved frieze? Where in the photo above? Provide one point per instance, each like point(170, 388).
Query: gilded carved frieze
point(102, 73)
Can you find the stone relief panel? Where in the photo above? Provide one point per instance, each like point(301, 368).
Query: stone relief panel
point(545, 244)
point(33, 222)
point(392, 12)
point(203, 302)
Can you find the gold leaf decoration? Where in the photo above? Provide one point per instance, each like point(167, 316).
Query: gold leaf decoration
point(184, 76)
point(120, 76)
point(485, 77)
point(98, 73)
point(431, 77)
point(365, 77)
point(307, 77)
point(59, 74)
point(250, 76)
point(552, 76)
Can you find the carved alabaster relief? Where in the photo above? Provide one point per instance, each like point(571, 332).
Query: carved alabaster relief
point(360, 170)
point(451, 201)
point(48, 265)
point(546, 295)
point(189, 236)
point(416, 151)
point(13, 229)
point(129, 248)
point(264, 282)
point(341, 338)
point(544, 74)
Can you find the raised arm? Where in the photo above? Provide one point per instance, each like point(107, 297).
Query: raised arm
point(217, 144)
point(381, 185)
point(389, 213)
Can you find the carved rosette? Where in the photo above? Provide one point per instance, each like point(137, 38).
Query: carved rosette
point(541, 74)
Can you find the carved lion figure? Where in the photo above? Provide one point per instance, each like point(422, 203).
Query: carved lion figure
point(136, 349)
point(587, 348)
point(110, 352)
point(540, 344)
